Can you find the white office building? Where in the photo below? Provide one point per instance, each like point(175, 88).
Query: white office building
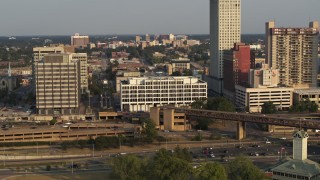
point(140, 94)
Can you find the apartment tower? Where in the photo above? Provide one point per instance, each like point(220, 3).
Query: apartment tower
point(57, 85)
point(225, 17)
point(294, 52)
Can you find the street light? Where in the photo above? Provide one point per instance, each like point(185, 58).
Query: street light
point(88, 91)
point(92, 149)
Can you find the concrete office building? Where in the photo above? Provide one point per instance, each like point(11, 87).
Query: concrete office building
point(83, 59)
point(225, 19)
point(294, 52)
point(57, 79)
point(252, 99)
point(40, 52)
point(79, 41)
point(168, 119)
point(140, 94)
point(263, 88)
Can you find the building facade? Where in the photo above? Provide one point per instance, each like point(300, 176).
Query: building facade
point(294, 52)
point(40, 52)
point(83, 59)
point(180, 64)
point(312, 94)
point(140, 94)
point(225, 19)
point(264, 77)
point(236, 65)
point(57, 79)
point(252, 99)
point(79, 41)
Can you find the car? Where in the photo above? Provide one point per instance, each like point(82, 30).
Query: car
point(283, 138)
point(225, 151)
point(256, 145)
point(212, 155)
point(268, 142)
point(166, 131)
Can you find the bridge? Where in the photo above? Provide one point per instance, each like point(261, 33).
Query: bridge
point(243, 118)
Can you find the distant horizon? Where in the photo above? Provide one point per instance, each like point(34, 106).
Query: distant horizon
point(96, 17)
point(109, 35)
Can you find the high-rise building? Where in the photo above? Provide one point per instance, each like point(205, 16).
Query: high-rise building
point(294, 52)
point(148, 38)
point(83, 59)
point(57, 79)
point(79, 41)
point(40, 52)
point(138, 39)
point(225, 18)
point(236, 66)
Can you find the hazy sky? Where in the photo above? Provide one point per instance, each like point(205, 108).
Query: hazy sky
point(65, 17)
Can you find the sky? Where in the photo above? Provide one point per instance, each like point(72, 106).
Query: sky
point(66, 17)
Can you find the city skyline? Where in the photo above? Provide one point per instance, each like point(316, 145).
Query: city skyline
point(99, 17)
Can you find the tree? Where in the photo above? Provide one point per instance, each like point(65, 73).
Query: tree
point(182, 154)
point(304, 105)
point(203, 124)
point(127, 167)
point(268, 108)
point(211, 171)
point(199, 104)
point(149, 129)
point(176, 73)
point(167, 166)
point(53, 121)
point(220, 104)
point(242, 168)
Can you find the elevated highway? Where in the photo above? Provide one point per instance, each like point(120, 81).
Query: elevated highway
point(243, 118)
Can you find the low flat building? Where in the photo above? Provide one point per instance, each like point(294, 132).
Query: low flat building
point(139, 94)
point(252, 99)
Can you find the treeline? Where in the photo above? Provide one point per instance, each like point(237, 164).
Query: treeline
point(177, 164)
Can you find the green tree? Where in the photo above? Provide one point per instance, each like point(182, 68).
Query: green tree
point(199, 104)
point(166, 166)
point(149, 129)
point(182, 154)
point(304, 105)
point(203, 123)
point(242, 168)
point(220, 104)
point(53, 121)
point(268, 108)
point(127, 167)
point(176, 73)
point(211, 171)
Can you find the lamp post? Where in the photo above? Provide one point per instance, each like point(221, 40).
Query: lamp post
point(88, 91)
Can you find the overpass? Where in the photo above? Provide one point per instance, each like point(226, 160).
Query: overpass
point(243, 118)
